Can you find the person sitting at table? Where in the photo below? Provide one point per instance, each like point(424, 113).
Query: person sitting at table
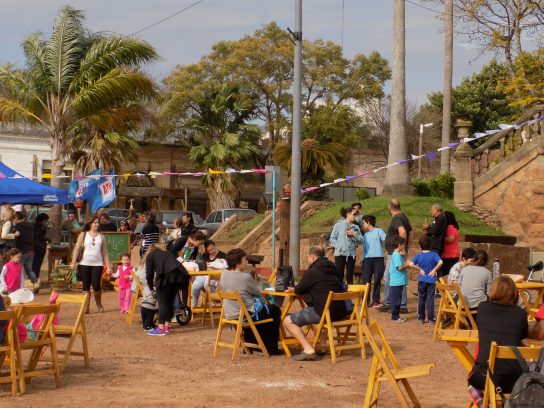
point(500, 320)
point(235, 278)
point(475, 280)
point(215, 259)
point(315, 285)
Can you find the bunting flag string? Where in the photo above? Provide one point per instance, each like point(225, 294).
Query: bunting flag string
point(429, 156)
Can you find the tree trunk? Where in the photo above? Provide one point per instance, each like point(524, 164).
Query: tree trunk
point(218, 197)
point(397, 178)
point(448, 72)
point(57, 169)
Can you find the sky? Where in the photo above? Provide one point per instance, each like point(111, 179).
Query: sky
point(190, 35)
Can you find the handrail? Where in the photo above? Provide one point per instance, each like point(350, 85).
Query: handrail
point(528, 115)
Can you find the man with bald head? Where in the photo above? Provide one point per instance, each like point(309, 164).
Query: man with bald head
point(399, 226)
point(437, 229)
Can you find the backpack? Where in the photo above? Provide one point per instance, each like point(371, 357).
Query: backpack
point(528, 390)
point(284, 278)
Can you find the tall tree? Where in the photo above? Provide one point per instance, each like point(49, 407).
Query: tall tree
point(73, 79)
point(448, 74)
point(224, 140)
point(526, 87)
point(397, 178)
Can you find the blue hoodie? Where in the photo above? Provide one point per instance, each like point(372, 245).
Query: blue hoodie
point(344, 245)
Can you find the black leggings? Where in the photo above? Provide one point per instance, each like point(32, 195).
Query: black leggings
point(165, 300)
point(345, 262)
point(91, 275)
point(269, 332)
point(39, 255)
point(147, 318)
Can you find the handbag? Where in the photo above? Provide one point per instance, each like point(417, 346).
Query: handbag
point(284, 278)
point(82, 249)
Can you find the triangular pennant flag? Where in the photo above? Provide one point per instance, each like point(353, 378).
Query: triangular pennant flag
point(404, 161)
point(313, 188)
point(414, 157)
point(430, 156)
point(168, 173)
point(350, 178)
point(453, 145)
point(339, 180)
point(468, 139)
point(502, 126)
point(363, 174)
point(245, 171)
point(441, 149)
point(198, 174)
point(392, 164)
point(230, 171)
point(211, 171)
point(154, 174)
point(44, 176)
point(259, 171)
point(325, 184)
point(492, 132)
point(378, 169)
point(126, 176)
point(477, 135)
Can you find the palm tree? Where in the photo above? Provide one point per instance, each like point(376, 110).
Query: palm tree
point(397, 178)
point(316, 158)
point(225, 141)
point(75, 79)
point(448, 72)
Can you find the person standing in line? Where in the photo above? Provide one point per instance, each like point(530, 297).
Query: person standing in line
point(398, 227)
point(40, 243)
point(25, 243)
point(450, 253)
point(428, 263)
point(437, 230)
point(373, 257)
point(8, 234)
point(398, 277)
point(344, 238)
point(94, 256)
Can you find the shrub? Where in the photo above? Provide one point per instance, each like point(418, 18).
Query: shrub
point(362, 194)
point(440, 186)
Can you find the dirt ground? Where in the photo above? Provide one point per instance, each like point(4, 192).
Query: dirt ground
point(132, 369)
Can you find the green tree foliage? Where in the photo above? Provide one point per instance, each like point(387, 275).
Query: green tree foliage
point(76, 79)
point(526, 88)
point(223, 140)
point(440, 186)
point(260, 66)
point(480, 98)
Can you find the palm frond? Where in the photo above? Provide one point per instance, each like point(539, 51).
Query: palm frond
point(64, 50)
point(34, 49)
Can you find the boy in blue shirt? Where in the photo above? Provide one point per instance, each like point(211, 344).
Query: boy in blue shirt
point(373, 263)
point(398, 277)
point(428, 263)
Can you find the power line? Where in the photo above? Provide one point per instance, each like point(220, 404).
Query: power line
point(426, 8)
point(167, 18)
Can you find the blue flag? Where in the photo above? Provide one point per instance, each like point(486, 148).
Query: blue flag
point(102, 193)
point(79, 189)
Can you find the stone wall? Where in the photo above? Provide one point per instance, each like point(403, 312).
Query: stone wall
point(363, 160)
point(516, 201)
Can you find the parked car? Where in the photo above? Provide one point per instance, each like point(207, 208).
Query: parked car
point(166, 218)
point(117, 215)
point(216, 218)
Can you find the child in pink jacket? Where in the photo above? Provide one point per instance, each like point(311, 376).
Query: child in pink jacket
point(125, 283)
point(12, 276)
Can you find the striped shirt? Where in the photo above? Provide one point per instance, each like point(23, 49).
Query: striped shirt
point(150, 235)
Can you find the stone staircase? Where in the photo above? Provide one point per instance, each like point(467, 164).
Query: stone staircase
point(502, 180)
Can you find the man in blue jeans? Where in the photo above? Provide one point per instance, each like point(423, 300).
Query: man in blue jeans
point(399, 226)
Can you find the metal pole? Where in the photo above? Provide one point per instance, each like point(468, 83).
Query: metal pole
point(294, 227)
point(273, 219)
point(420, 151)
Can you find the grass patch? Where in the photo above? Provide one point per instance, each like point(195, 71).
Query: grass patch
point(418, 210)
point(242, 229)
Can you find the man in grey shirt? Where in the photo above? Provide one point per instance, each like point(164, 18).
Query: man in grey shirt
point(475, 280)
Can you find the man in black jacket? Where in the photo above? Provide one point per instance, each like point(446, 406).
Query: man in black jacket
point(437, 229)
point(25, 242)
point(320, 278)
point(187, 247)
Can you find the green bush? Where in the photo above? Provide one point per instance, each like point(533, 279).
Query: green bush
point(440, 186)
point(362, 194)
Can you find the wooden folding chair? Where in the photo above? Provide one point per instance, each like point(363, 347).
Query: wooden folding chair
point(244, 320)
point(45, 338)
point(339, 342)
point(7, 351)
point(365, 294)
point(209, 298)
point(491, 397)
point(134, 297)
point(72, 332)
point(453, 313)
point(385, 367)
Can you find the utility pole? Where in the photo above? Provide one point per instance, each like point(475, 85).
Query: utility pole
point(294, 226)
point(447, 93)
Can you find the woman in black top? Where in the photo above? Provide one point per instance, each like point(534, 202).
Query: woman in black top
point(499, 319)
point(211, 253)
point(150, 234)
point(40, 242)
point(187, 226)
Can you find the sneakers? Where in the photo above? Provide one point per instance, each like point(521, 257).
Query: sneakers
point(377, 305)
point(400, 320)
point(421, 321)
point(432, 321)
point(384, 308)
point(166, 329)
point(156, 332)
point(150, 329)
point(404, 310)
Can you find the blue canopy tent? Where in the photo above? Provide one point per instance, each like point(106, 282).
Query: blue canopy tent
point(20, 190)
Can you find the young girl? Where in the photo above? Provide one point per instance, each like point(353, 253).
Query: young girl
point(12, 277)
point(125, 283)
